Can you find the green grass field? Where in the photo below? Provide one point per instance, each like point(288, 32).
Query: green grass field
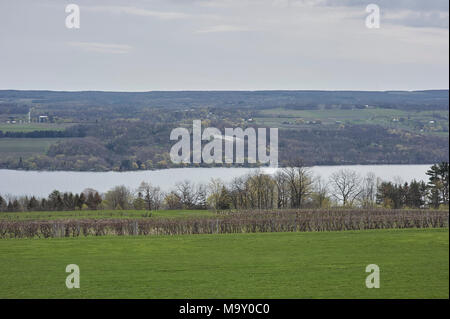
point(26, 145)
point(5, 127)
point(101, 214)
point(414, 263)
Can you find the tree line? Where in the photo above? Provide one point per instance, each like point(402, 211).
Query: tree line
point(290, 187)
point(70, 132)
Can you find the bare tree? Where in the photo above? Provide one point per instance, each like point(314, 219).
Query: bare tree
point(215, 188)
point(320, 191)
point(120, 197)
point(152, 196)
point(282, 190)
point(261, 188)
point(88, 191)
point(369, 191)
point(173, 201)
point(346, 186)
point(300, 182)
point(185, 191)
point(238, 192)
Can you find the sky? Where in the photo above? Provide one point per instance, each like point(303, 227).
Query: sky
point(148, 45)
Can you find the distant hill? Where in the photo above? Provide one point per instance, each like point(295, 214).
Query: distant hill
point(131, 130)
point(421, 100)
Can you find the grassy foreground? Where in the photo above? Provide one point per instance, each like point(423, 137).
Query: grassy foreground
point(414, 263)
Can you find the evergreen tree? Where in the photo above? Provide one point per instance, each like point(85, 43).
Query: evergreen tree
point(81, 201)
point(438, 184)
point(2, 204)
point(33, 204)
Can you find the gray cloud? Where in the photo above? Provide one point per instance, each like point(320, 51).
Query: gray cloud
point(224, 28)
point(132, 10)
point(416, 5)
point(131, 45)
point(101, 47)
point(433, 19)
point(412, 13)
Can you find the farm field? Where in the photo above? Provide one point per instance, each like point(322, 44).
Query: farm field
point(32, 127)
point(25, 146)
point(414, 263)
point(390, 118)
point(102, 214)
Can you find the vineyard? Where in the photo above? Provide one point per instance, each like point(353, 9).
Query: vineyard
point(229, 222)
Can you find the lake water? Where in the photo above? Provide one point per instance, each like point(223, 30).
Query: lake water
point(37, 183)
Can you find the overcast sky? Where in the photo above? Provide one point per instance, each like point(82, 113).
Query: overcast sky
point(128, 45)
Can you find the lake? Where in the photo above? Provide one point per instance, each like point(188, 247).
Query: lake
point(41, 183)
